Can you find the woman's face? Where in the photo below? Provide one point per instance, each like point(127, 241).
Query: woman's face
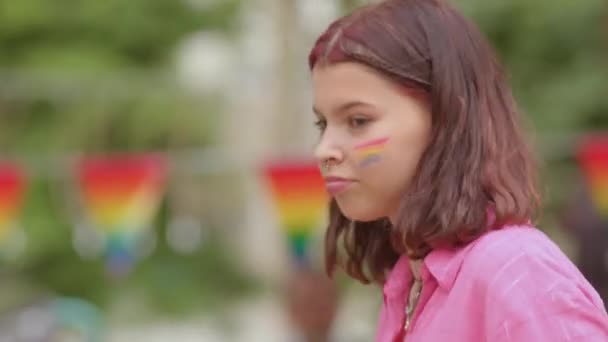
point(373, 134)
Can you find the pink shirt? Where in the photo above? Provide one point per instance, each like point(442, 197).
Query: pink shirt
point(512, 284)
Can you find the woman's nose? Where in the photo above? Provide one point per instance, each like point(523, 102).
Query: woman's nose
point(328, 149)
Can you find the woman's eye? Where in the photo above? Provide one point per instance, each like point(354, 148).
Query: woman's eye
point(321, 124)
point(358, 122)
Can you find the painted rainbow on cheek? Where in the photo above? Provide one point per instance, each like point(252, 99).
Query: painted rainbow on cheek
point(369, 153)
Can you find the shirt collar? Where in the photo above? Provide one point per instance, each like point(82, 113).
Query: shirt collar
point(399, 278)
point(442, 264)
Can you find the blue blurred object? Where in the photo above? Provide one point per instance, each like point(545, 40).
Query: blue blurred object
point(59, 319)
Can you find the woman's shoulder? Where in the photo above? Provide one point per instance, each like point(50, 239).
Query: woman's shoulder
point(506, 245)
point(524, 259)
point(521, 276)
point(525, 252)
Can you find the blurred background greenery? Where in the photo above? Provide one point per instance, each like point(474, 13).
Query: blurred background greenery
point(80, 77)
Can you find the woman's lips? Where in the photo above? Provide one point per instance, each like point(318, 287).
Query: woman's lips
point(335, 185)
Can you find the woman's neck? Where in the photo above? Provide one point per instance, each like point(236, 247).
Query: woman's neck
point(416, 266)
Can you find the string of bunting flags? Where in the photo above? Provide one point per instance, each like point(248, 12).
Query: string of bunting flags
point(120, 195)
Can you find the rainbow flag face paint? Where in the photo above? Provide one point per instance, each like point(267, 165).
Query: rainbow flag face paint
point(122, 194)
point(593, 159)
point(300, 199)
point(369, 153)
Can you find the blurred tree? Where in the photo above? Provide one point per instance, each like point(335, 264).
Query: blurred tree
point(88, 36)
point(349, 5)
point(102, 68)
point(98, 76)
point(556, 55)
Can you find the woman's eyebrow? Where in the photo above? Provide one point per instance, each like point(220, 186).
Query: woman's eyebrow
point(343, 107)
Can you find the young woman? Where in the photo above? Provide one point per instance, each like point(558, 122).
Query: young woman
point(433, 185)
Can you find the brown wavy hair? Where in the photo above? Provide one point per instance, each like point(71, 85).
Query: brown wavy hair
point(477, 162)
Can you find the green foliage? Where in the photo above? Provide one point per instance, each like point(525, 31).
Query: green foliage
point(96, 76)
point(101, 35)
point(348, 5)
point(87, 75)
point(204, 281)
point(556, 54)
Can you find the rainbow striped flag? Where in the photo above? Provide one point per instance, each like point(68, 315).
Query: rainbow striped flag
point(301, 202)
point(12, 190)
point(593, 159)
point(122, 194)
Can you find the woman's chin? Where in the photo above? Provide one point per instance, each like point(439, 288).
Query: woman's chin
point(359, 214)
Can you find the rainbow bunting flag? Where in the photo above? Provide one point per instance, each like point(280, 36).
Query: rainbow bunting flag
point(12, 189)
point(593, 159)
point(301, 202)
point(122, 194)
